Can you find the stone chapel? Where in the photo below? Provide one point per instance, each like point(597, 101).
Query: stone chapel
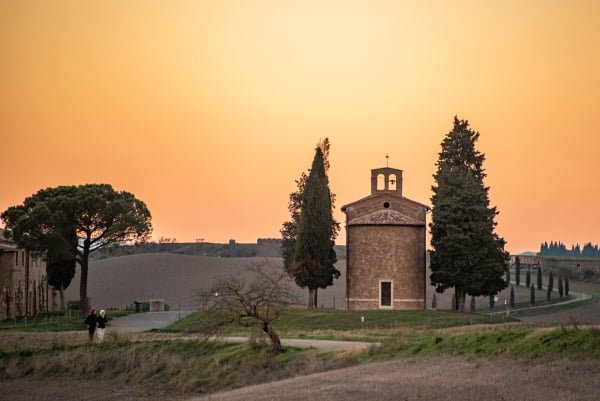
point(386, 250)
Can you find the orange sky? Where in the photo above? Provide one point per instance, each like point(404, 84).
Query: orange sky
point(209, 110)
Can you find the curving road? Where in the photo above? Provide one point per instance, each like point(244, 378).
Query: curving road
point(139, 322)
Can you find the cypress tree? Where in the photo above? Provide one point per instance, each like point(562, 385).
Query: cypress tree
point(310, 256)
point(550, 285)
point(466, 252)
point(512, 297)
point(567, 285)
point(539, 278)
point(560, 287)
point(532, 295)
point(518, 271)
point(61, 264)
point(528, 278)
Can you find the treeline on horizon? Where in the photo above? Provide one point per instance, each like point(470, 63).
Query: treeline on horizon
point(559, 249)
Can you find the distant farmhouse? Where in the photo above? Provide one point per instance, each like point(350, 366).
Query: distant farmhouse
point(23, 282)
point(386, 250)
point(527, 261)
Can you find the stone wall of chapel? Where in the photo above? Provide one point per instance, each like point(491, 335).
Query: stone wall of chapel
point(389, 253)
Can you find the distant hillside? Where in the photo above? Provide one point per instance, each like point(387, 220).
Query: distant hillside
point(176, 278)
point(119, 281)
point(268, 247)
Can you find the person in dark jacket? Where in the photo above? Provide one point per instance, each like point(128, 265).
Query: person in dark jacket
point(101, 325)
point(92, 321)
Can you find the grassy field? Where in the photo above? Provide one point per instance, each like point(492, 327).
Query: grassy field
point(172, 365)
point(50, 354)
point(69, 320)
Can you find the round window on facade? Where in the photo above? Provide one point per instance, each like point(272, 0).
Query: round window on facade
point(386, 204)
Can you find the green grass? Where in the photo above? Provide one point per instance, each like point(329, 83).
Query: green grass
point(185, 366)
point(51, 321)
point(206, 366)
point(324, 323)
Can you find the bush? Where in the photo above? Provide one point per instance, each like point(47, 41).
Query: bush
point(74, 304)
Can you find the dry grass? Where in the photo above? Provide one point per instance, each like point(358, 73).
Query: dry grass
point(434, 379)
point(177, 278)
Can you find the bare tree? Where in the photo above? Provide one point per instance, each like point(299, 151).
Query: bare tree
point(255, 303)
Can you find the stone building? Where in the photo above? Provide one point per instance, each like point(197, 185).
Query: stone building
point(23, 281)
point(385, 240)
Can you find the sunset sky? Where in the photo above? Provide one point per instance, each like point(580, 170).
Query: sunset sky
point(208, 111)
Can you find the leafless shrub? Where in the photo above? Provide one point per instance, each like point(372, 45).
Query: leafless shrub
point(573, 321)
point(255, 303)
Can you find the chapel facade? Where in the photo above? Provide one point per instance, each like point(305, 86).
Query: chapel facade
point(386, 250)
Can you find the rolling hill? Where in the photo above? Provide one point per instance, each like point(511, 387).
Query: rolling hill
point(176, 278)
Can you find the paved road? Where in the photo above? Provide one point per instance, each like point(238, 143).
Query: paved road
point(138, 322)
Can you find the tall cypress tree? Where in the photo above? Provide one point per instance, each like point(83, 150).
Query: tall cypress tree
point(61, 263)
point(539, 278)
point(512, 297)
point(560, 287)
point(309, 237)
point(550, 286)
point(466, 253)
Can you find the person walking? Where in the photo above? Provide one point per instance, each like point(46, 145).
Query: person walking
point(92, 321)
point(101, 325)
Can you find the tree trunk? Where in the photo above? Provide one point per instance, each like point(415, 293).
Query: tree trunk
point(83, 306)
point(83, 262)
point(461, 295)
point(311, 298)
point(61, 291)
point(275, 342)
